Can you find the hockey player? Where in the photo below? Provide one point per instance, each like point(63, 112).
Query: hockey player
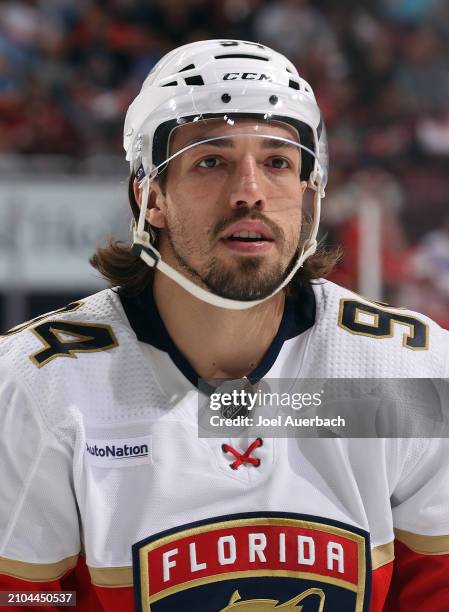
point(107, 487)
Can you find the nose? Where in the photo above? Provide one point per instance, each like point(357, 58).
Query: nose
point(246, 189)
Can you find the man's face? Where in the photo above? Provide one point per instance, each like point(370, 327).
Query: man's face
point(230, 214)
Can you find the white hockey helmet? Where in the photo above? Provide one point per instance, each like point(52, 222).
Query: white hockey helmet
point(221, 79)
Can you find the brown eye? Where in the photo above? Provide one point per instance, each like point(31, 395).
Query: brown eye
point(279, 163)
point(209, 162)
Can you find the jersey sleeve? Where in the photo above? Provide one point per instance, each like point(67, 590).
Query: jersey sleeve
point(420, 506)
point(39, 526)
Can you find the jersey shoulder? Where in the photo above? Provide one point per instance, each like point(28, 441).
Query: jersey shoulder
point(69, 356)
point(85, 325)
point(389, 341)
point(82, 364)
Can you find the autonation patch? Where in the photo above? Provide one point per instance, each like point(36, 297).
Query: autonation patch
point(120, 452)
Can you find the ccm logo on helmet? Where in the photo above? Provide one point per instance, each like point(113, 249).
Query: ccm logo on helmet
point(246, 76)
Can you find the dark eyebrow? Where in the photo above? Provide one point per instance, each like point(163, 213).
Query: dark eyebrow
point(273, 143)
point(228, 142)
point(224, 141)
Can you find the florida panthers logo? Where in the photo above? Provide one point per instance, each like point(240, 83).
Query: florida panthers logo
point(262, 605)
point(254, 562)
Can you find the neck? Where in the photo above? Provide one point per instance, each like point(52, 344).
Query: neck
point(217, 342)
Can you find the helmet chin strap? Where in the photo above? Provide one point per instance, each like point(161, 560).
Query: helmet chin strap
point(143, 248)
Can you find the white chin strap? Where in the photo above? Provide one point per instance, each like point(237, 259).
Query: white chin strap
point(143, 248)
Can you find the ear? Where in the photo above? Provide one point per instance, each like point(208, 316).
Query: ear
point(155, 214)
point(303, 186)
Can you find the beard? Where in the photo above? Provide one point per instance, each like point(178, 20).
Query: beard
point(246, 278)
point(251, 280)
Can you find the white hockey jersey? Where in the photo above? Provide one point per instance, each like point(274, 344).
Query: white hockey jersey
point(102, 467)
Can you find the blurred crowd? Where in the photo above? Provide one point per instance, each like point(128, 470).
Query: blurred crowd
point(380, 70)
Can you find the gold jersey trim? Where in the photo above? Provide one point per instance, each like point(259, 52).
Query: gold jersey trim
point(381, 555)
point(111, 576)
point(37, 572)
point(424, 544)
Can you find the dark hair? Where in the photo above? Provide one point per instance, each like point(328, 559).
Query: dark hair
point(117, 264)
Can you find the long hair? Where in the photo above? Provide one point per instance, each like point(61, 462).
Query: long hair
point(117, 264)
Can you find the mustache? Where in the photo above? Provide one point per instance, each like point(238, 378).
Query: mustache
point(244, 215)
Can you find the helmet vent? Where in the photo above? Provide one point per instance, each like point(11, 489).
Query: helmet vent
point(171, 84)
point(194, 80)
point(189, 67)
point(241, 56)
point(293, 84)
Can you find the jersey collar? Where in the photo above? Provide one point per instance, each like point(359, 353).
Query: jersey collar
point(143, 316)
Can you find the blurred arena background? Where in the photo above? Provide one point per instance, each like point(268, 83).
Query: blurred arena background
point(69, 69)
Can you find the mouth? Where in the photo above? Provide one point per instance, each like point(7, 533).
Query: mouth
point(248, 237)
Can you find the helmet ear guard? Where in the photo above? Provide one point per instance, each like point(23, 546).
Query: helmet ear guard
point(202, 81)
